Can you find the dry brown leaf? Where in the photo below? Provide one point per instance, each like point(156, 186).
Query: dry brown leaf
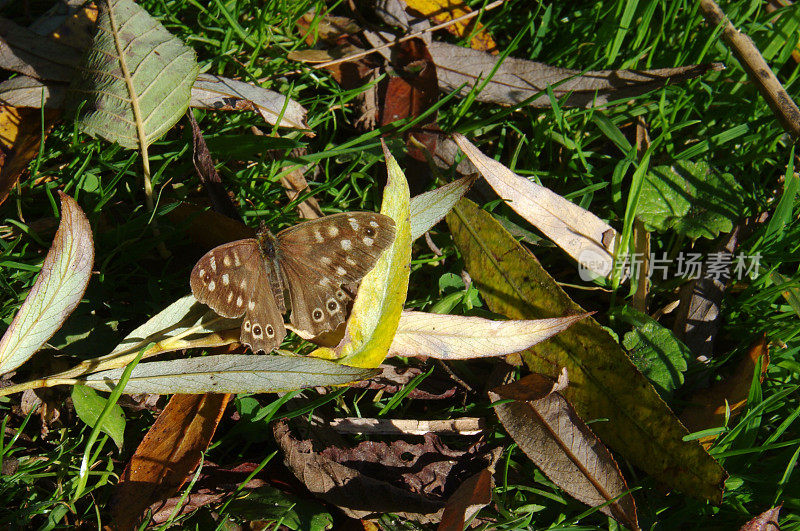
point(392, 379)
point(472, 496)
point(766, 521)
point(170, 450)
point(709, 405)
point(562, 446)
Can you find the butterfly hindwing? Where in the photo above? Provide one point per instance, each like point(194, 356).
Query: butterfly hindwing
point(262, 327)
point(318, 257)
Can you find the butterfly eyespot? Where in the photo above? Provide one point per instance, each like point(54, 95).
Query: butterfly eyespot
point(256, 331)
point(369, 231)
point(317, 315)
point(341, 295)
point(270, 331)
point(246, 326)
point(332, 306)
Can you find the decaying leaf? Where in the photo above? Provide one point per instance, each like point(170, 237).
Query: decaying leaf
point(766, 521)
point(410, 480)
point(26, 52)
point(171, 449)
point(57, 291)
point(232, 373)
point(135, 79)
point(392, 379)
point(472, 496)
point(545, 426)
point(456, 337)
point(605, 383)
point(446, 10)
point(576, 230)
point(708, 406)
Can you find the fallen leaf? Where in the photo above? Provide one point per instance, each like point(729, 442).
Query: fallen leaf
point(382, 293)
point(26, 52)
point(296, 186)
point(204, 166)
point(563, 447)
point(88, 406)
point(441, 11)
point(57, 291)
point(766, 521)
point(135, 81)
point(708, 406)
point(605, 383)
point(429, 208)
point(392, 379)
point(410, 480)
point(456, 337)
point(576, 230)
point(231, 373)
point(470, 497)
point(517, 80)
point(170, 450)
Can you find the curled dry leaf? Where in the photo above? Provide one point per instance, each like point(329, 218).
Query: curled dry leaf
point(576, 230)
point(455, 337)
point(412, 480)
point(555, 438)
point(606, 385)
point(57, 291)
point(708, 407)
point(233, 373)
point(170, 450)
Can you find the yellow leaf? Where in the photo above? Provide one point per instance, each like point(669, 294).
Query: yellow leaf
point(604, 384)
point(441, 11)
point(379, 303)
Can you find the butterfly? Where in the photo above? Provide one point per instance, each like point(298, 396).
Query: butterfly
point(313, 262)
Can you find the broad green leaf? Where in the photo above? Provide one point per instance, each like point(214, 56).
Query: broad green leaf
point(135, 80)
point(233, 373)
point(88, 405)
point(456, 337)
point(691, 199)
point(57, 291)
point(585, 237)
point(603, 381)
point(379, 303)
point(656, 352)
point(429, 208)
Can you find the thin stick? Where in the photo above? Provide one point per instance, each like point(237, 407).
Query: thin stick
point(753, 62)
point(409, 37)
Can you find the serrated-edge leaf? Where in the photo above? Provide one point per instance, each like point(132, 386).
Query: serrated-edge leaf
point(88, 406)
point(135, 75)
point(456, 337)
point(429, 208)
point(57, 291)
point(585, 237)
point(232, 373)
point(382, 294)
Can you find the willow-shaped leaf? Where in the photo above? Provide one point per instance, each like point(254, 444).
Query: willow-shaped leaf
point(135, 80)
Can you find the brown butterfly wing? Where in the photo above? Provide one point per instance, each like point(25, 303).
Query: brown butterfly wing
point(232, 279)
point(318, 257)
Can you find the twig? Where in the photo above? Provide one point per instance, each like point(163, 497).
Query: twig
point(753, 62)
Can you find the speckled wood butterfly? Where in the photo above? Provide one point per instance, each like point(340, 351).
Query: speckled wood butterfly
point(313, 262)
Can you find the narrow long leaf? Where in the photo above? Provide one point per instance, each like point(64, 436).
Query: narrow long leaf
point(228, 374)
point(455, 337)
point(429, 208)
point(57, 290)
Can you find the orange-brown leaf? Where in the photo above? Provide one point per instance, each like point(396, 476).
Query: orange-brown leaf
point(471, 496)
point(441, 11)
point(708, 405)
point(167, 454)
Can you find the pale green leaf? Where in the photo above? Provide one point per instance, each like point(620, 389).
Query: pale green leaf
point(456, 337)
point(379, 303)
point(429, 208)
point(88, 405)
point(233, 373)
point(581, 234)
point(57, 290)
point(135, 80)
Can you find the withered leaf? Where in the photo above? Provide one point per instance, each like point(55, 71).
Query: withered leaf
point(474, 494)
point(766, 521)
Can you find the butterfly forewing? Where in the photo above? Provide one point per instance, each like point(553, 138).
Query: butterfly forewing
point(318, 257)
point(233, 280)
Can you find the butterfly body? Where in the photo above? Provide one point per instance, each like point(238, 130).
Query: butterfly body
point(311, 263)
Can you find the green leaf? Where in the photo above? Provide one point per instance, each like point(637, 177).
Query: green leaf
point(604, 384)
point(57, 291)
point(691, 199)
point(233, 373)
point(136, 78)
point(88, 405)
point(656, 352)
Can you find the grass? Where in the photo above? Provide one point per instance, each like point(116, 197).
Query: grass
point(582, 154)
